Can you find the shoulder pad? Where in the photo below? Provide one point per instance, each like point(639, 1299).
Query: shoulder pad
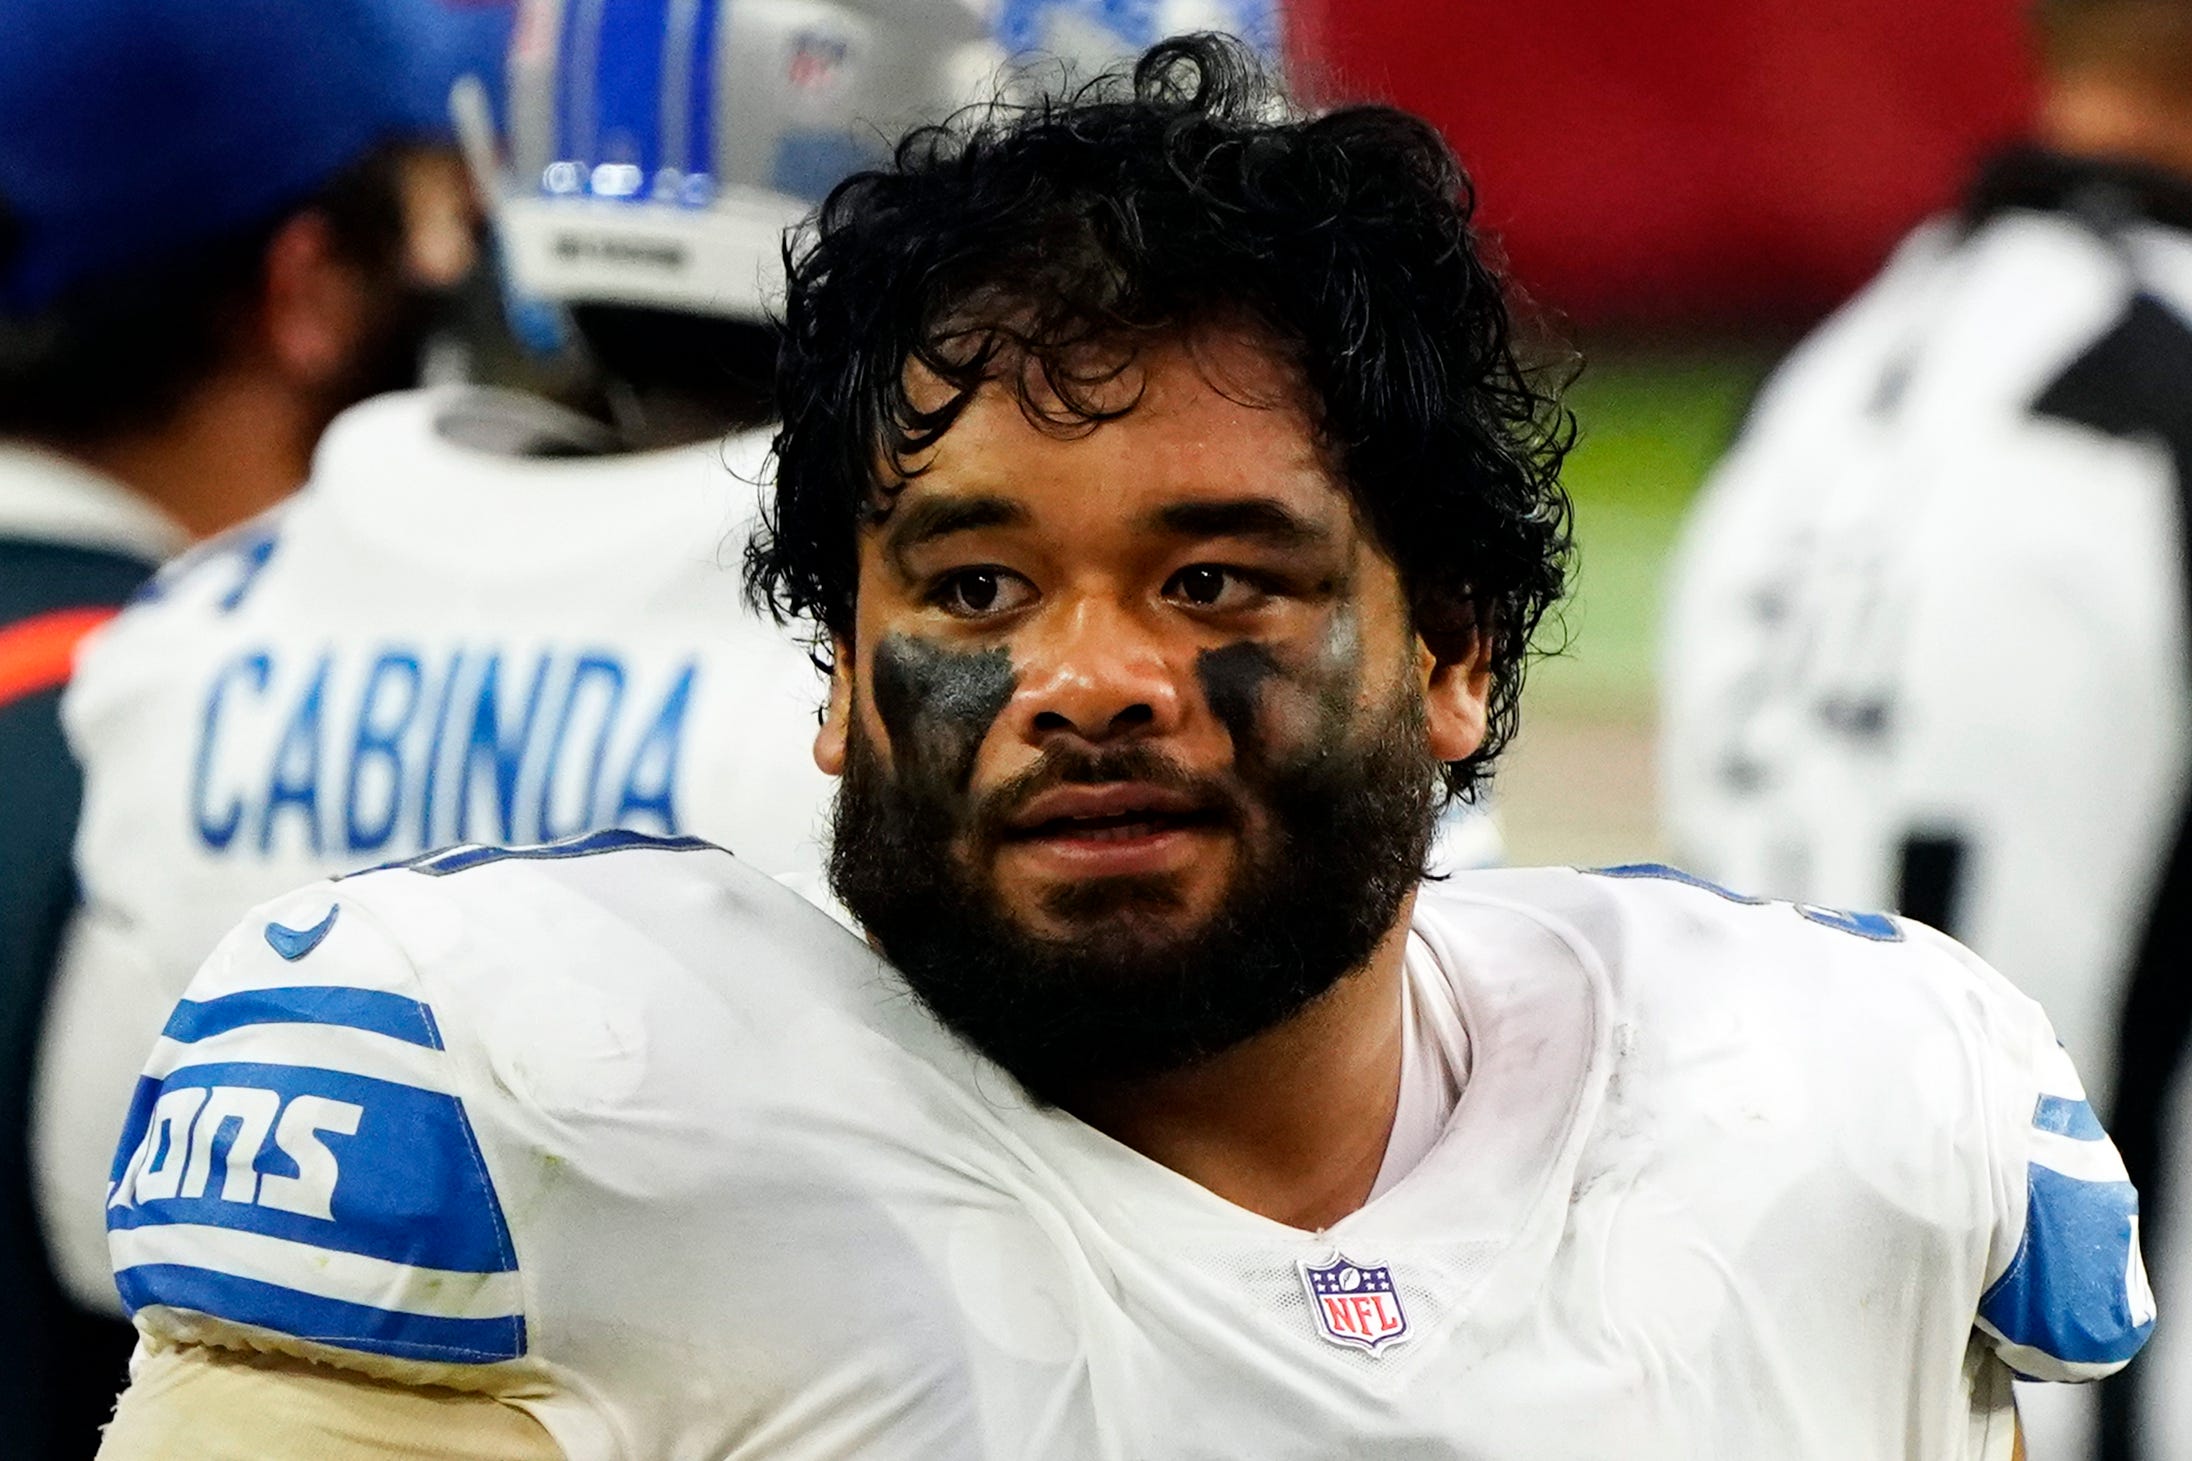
point(298, 1158)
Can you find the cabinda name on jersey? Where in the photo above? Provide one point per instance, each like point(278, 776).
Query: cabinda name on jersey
point(333, 750)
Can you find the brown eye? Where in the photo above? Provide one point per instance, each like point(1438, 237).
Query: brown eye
point(975, 593)
point(1215, 586)
point(1201, 584)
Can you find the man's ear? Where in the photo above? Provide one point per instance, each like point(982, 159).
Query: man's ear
point(1457, 692)
point(829, 741)
point(313, 302)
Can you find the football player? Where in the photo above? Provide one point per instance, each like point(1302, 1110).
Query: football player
point(1176, 514)
point(492, 616)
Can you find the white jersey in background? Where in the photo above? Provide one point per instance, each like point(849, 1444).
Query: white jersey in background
point(634, 1138)
point(470, 627)
point(1927, 643)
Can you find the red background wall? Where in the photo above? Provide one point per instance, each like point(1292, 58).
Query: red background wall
point(1718, 163)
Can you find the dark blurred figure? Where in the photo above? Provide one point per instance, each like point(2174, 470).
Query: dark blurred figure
point(220, 224)
point(1928, 641)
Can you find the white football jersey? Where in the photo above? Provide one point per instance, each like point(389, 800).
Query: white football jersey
point(469, 626)
point(675, 1163)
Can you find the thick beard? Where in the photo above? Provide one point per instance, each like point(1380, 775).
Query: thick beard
point(391, 352)
point(1341, 844)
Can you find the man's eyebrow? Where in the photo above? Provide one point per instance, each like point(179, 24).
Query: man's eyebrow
point(1253, 517)
point(930, 518)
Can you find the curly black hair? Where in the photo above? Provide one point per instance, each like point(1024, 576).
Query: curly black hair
point(1002, 244)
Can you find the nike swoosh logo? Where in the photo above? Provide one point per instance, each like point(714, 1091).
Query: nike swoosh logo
point(294, 943)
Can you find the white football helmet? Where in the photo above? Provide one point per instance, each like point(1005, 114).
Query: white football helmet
point(658, 149)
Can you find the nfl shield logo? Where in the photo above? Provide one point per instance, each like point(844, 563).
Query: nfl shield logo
point(1355, 1303)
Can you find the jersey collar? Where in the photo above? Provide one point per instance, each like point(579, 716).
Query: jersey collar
point(2032, 179)
point(1536, 1006)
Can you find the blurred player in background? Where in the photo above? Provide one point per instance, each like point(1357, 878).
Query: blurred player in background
point(1160, 477)
point(494, 617)
point(219, 225)
point(1927, 646)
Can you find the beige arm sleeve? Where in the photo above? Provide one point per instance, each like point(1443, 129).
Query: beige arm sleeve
point(201, 1403)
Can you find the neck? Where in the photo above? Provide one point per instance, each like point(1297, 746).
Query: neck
point(1292, 1124)
point(234, 449)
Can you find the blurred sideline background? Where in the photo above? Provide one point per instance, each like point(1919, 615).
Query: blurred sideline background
point(1683, 189)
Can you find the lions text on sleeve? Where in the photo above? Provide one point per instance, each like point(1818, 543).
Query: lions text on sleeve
point(635, 1124)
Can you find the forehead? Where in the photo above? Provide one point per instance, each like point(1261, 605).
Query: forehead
point(1216, 415)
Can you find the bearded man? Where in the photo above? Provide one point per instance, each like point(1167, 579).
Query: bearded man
point(1176, 516)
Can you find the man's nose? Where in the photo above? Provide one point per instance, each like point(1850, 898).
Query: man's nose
point(1093, 671)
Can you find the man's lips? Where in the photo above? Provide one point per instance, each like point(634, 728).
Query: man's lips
point(1116, 812)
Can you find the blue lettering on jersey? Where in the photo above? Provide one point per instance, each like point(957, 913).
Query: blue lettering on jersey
point(350, 1163)
point(330, 755)
point(429, 799)
point(294, 780)
point(502, 754)
point(250, 1183)
point(651, 783)
point(1877, 927)
point(216, 829)
point(598, 682)
point(392, 690)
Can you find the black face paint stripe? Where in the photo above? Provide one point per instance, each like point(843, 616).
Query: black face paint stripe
point(1234, 677)
point(937, 706)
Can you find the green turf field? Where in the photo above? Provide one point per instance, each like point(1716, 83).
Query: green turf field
point(1653, 422)
point(1579, 785)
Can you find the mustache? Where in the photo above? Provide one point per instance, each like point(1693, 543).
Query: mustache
point(1217, 797)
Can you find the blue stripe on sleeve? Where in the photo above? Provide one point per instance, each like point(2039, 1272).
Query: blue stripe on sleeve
point(329, 1321)
point(2065, 1117)
point(2068, 1292)
point(359, 1009)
